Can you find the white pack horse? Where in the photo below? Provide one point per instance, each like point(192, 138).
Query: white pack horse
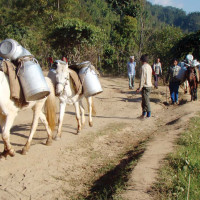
point(9, 110)
point(67, 95)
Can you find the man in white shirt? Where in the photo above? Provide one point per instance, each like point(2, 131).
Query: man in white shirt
point(145, 86)
point(131, 72)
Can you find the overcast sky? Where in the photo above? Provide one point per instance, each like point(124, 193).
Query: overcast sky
point(186, 5)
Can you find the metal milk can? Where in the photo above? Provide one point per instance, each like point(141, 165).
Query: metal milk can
point(90, 81)
point(181, 74)
point(11, 49)
point(32, 80)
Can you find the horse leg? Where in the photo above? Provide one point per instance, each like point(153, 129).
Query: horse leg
point(82, 113)
point(185, 86)
point(192, 95)
point(77, 110)
point(191, 92)
point(196, 87)
point(60, 120)
point(89, 101)
point(7, 123)
point(36, 114)
point(195, 94)
point(49, 132)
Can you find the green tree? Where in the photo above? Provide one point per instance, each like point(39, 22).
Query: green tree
point(75, 38)
point(161, 42)
point(123, 41)
point(125, 7)
point(188, 44)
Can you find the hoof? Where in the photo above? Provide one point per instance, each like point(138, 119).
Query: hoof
point(78, 132)
point(49, 142)
point(57, 138)
point(91, 124)
point(24, 151)
point(11, 152)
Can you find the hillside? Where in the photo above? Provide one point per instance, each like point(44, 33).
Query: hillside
point(175, 17)
point(106, 32)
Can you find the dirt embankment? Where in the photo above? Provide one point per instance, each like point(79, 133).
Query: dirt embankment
point(71, 165)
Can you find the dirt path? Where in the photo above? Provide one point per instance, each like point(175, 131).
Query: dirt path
point(70, 166)
point(145, 173)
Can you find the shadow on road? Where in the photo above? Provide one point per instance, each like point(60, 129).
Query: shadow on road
point(106, 186)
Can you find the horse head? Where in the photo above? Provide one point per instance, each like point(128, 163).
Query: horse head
point(62, 75)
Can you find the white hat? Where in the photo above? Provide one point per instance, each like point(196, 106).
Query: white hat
point(131, 57)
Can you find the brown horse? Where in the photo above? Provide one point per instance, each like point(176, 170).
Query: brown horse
point(191, 75)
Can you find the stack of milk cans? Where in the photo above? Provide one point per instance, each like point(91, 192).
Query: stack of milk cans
point(29, 71)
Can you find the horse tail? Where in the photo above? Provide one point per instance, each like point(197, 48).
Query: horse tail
point(50, 105)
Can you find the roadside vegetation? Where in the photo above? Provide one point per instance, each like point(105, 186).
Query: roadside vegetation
point(180, 176)
point(106, 32)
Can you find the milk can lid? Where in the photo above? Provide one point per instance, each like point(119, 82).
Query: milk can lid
point(189, 57)
point(8, 46)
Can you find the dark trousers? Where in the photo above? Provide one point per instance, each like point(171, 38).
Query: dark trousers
point(145, 99)
point(173, 87)
point(156, 77)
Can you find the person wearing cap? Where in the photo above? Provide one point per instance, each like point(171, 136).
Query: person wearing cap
point(145, 86)
point(131, 72)
point(157, 68)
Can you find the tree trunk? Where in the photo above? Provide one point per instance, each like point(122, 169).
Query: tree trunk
point(141, 38)
point(58, 5)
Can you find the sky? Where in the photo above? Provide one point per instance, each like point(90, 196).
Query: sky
point(186, 5)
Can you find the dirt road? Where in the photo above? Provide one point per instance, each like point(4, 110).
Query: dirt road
point(70, 166)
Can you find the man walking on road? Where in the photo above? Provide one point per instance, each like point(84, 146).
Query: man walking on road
point(157, 68)
point(145, 86)
point(131, 72)
point(173, 81)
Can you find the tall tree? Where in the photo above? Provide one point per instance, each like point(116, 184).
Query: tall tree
point(161, 42)
point(188, 44)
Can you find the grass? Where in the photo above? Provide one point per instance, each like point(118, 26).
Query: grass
point(180, 177)
point(108, 130)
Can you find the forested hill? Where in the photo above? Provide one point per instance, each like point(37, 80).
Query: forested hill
point(175, 16)
point(106, 32)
